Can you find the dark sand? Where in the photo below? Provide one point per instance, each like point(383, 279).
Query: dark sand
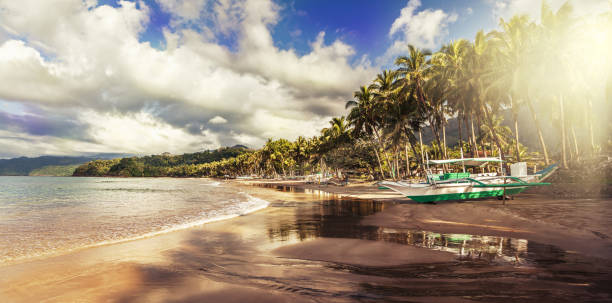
point(362, 252)
point(312, 246)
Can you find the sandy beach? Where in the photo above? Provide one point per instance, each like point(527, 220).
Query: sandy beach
point(345, 244)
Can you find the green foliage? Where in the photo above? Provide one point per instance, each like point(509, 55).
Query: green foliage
point(55, 170)
point(162, 165)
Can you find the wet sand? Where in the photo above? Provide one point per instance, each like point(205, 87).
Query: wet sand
point(313, 246)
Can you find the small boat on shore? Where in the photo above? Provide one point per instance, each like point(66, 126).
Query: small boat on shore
point(466, 186)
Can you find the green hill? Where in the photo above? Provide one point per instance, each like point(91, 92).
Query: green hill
point(55, 170)
point(155, 165)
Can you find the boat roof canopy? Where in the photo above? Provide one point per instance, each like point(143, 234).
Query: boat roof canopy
point(466, 161)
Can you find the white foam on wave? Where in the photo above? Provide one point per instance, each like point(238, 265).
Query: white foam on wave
point(252, 204)
point(213, 183)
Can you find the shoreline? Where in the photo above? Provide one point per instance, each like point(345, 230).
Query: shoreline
point(454, 216)
point(174, 228)
point(327, 235)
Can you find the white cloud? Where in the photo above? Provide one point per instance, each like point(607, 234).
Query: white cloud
point(217, 120)
point(90, 59)
point(469, 11)
point(423, 29)
point(16, 144)
point(184, 10)
point(142, 132)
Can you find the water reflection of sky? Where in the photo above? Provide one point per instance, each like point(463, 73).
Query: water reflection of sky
point(337, 217)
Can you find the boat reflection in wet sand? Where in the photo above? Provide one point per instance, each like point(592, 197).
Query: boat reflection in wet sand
point(466, 186)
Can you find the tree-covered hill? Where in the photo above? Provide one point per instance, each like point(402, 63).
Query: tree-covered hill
point(23, 166)
point(156, 165)
point(55, 170)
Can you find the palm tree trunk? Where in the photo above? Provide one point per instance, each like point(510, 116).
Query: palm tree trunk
point(514, 109)
point(397, 166)
point(482, 142)
point(421, 147)
point(382, 172)
point(539, 130)
point(407, 159)
point(474, 146)
point(436, 134)
point(563, 133)
point(444, 138)
point(575, 142)
point(489, 121)
point(589, 117)
point(460, 133)
point(420, 161)
point(382, 150)
point(516, 138)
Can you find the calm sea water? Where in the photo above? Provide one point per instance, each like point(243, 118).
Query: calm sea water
point(48, 215)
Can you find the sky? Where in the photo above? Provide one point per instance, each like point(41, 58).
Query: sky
point(145, 77)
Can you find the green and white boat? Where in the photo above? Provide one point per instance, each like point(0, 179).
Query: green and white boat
point(466, 186)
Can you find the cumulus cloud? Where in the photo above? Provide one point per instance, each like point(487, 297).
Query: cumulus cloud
point(61, 55)
point(217, 120)
point(423, 29)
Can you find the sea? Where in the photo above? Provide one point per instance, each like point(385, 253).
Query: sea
point(44, 216)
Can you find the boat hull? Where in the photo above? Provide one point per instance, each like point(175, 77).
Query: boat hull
point(469, 195)
point(424, 193)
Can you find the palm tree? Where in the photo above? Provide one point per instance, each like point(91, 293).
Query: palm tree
point(301, 152)
point(513, 46)
point(554, 27)
point(413, 69)
point(404, 119)
point(364, 118)
point(503, 132)
point(412, 73)
point(384, 89)
point(450, 61)
point(480, 78)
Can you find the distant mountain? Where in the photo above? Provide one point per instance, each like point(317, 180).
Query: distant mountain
point(24, 166)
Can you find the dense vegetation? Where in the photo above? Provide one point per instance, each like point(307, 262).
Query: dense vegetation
point(555, 71)
point(55, 170)
point(157, 165)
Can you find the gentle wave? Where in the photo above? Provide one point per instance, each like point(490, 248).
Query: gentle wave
point(262, 204)
point(252, 204)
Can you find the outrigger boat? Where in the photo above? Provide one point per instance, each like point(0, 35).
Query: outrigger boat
point(466, 186)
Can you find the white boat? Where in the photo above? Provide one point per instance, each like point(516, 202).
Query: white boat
point(466, 186)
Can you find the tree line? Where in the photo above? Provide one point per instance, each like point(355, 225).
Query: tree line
point(556, 71)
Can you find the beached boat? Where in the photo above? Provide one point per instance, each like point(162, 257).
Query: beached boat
point(466, 186)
